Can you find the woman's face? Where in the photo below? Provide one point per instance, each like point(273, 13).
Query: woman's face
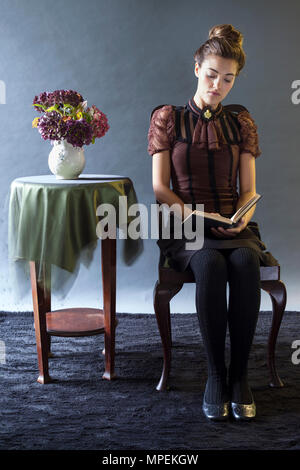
point(216, 75)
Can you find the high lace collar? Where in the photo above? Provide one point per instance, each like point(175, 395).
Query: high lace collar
point(207, 113)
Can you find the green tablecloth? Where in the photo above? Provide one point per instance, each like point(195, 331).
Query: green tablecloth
point(53, 220)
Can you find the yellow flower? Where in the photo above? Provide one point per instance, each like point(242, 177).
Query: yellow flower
point(79, 115)
point(35, 122)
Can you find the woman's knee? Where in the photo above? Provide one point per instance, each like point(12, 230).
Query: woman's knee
point(208, 261)
point(245, 259)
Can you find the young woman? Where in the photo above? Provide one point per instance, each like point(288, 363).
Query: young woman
point(202, 147)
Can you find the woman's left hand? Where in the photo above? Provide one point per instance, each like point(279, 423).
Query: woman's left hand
point(221, 232)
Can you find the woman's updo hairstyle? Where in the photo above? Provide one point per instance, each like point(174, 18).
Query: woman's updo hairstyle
point(225, 41)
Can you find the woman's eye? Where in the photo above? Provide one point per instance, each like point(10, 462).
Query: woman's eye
point(212, 76)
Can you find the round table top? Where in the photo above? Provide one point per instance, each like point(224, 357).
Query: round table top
point(55, 221)
point(82, 179)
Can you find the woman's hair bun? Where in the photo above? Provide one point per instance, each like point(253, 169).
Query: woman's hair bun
point(227, 32)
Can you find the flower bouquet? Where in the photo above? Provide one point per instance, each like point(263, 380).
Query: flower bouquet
point(69, 124)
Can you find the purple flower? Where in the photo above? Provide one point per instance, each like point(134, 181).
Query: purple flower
point(78, 133)
point(75, 123)
point(51, 126)
point(59, 97)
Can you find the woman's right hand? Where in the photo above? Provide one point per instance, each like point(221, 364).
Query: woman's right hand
point(221, 232)
point(217, 231)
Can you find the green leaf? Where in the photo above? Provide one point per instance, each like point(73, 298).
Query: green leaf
point(87, 117)
point(39, 105)
point(55, 107)
point(68, 106)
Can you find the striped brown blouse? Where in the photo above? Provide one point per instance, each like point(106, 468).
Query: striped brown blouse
point(205, 149)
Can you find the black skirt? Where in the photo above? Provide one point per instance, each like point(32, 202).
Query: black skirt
point(179, 257)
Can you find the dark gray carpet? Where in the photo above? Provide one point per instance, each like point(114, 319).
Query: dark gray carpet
point(82, 411)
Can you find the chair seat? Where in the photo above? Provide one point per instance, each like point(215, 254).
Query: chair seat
point(172, 276)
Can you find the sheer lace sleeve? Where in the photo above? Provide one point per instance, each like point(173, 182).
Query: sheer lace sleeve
point(249, 134)
point(161, 133)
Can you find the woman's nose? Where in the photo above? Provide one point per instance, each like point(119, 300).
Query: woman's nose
point(217, 83)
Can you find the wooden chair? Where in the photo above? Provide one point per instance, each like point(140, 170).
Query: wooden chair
point(171, 281)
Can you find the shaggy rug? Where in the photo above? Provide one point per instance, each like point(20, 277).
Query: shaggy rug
point(80, 410)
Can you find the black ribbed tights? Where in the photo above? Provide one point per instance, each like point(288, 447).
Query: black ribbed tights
point(212, 269)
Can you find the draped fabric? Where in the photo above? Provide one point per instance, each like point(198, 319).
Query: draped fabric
point(54, 221)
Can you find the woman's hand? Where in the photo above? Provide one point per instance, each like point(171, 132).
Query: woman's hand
point(221, 232)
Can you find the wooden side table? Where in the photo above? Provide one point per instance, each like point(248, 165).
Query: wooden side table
point(75, 321)
point(72, 321)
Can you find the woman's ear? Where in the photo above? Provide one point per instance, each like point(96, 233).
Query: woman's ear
point(196, 69)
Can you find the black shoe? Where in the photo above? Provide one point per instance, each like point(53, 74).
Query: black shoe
point(243, 412)
point(216, 412)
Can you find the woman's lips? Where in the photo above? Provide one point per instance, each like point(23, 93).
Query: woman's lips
point(214, 93)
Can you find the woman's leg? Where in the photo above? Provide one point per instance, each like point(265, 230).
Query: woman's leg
point(244, 303)
point(210, 272)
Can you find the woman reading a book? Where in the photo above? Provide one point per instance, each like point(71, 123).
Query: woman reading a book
point(203, 147)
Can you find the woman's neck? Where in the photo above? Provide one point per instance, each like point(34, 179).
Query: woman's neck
point(201, 104)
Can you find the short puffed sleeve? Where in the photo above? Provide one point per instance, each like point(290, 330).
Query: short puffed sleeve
point(161, 133)
point(248, 132)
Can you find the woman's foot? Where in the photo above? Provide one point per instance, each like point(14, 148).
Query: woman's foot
point(242, 402)
point(216, 399)
point(216, 412)
point(243, 412)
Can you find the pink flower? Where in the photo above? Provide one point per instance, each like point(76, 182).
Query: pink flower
point(99, 122)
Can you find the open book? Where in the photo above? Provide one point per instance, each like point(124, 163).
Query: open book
point(211, 220)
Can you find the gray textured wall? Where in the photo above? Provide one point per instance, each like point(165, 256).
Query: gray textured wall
point(128, 56)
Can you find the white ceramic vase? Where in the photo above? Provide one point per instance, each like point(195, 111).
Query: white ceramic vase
point(66, 161)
